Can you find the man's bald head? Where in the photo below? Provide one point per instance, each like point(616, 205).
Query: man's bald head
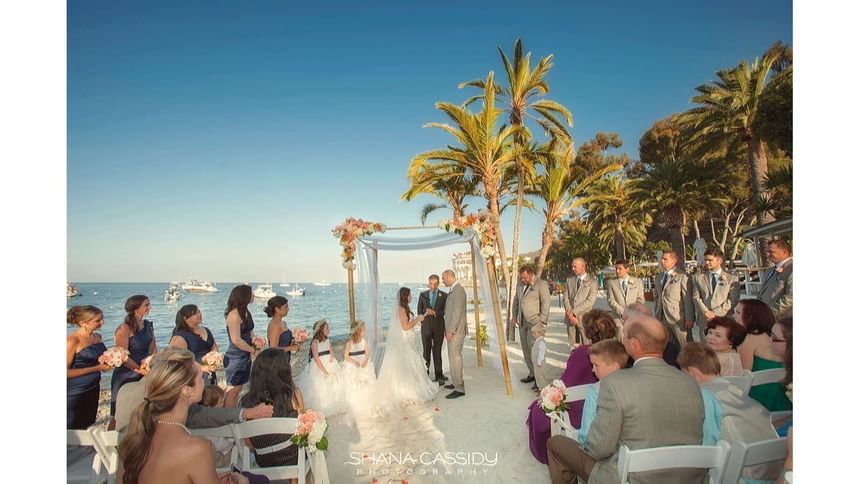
point(636, 310)
point(645, 336)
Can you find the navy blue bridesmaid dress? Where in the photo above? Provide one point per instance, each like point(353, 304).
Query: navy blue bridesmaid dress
point(199, 347)
point(138, 346)
point(82, 392)
point(238, 364)
point(286, 339)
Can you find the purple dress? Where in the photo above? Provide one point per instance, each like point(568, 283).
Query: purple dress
point(577, 372)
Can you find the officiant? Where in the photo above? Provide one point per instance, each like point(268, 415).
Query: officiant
point(431, 303)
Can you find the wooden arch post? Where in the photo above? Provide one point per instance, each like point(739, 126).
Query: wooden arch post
point(351, 291)
point(500, 331)
point(478, 354)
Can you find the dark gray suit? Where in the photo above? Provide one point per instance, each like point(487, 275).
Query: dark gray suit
point(433, 329)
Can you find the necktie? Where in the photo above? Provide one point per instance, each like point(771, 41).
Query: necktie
point(578, 283)
point(526, 289)
point(624, 287)
point(713, 281)
point(433, 299)
point(665, 278)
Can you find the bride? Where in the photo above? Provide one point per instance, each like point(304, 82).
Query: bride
point(402, 377)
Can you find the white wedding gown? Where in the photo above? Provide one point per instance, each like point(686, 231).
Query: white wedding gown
point(402, 377)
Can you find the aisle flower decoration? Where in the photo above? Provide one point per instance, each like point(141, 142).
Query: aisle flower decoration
point(114, 357)
point(552, 398)
point(214, 360)
point(482, 223)
point(311, 431)
point(350, 231)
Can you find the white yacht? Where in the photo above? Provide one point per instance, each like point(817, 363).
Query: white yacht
point(72, 290)
point(296, 291)
point(263, 293)
point(322, 283)
point(173, 293)
point(193, 285)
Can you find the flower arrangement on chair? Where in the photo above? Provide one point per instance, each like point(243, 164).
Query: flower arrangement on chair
point(350, 231)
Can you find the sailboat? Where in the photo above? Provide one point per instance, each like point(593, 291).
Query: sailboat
point(285, 283)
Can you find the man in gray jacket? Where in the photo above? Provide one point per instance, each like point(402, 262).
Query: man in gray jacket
point(623, 291)
point(673, 303)
point(580, 294)
point(776, 288)
point(649, 405)
point(531, 307)
point(456, 329)
point(716, 292)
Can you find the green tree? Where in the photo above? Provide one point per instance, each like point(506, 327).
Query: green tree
point(574, 240)
point(615, 217)
point(444, 182)
point(774, 120)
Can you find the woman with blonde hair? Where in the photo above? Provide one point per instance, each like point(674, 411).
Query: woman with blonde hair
point(83, 370)
point(157, 447)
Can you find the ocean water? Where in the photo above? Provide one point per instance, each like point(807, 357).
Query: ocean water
point(329, 302)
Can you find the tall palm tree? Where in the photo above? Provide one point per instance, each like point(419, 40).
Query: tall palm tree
point(445, 183)
point(484, 152)
point(615, 217)
point(522, 98)
point(727, 110)
point(562, 191)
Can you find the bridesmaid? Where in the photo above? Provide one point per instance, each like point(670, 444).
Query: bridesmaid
point(83, 370)
point(280, 336)
point(240, 331)
point(190, 334)
point(138, 337)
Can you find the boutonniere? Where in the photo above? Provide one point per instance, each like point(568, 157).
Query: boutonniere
point(780, 269)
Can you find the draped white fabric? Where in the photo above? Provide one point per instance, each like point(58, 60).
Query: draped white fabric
point(368, 297)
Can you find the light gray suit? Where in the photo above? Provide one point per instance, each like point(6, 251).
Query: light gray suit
point(673, 303)
point(618, 298)
point(721, 300)
point(455, 322)
point(530, 309)
point(580, 300)
point(776, 288)
point(649, 405)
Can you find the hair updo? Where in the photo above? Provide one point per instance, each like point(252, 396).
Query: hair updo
point(274, 303)
point(79, 314)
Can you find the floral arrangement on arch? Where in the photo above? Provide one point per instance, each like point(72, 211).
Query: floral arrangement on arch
point(350, 231)
point(482, 223)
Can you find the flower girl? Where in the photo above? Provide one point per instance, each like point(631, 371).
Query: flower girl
point(358, 371)
point(321, 382)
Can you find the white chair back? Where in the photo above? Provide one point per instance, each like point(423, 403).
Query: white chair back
point(577, 393)
point(106, 443)
point(86, 466)
point(764, 377)
point(560, 425)
point(224, 431)
point(254, 428)
point(713, 457)
point(744, 455)
point(744, 382)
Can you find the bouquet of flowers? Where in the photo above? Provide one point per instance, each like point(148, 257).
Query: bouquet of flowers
point(258, 343)
point(311, 431)
point(300, 335)
point(213, 360)
point(144, 365)
point(552, 398)
point(114, 357)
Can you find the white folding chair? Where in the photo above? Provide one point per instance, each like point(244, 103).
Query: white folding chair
point(713, 457)
point(744, 455)
point(764, 377)
point(560, 424)
point(83, 464)
point(106, 443)
point(744, 382)
point(224, 431)
point(254, 428)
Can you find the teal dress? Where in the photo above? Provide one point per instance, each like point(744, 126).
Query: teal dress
point(771, 395)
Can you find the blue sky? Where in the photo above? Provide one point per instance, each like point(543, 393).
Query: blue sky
point(226, 139)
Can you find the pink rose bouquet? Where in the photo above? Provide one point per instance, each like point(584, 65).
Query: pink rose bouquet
point(114, 357)
point(213, 360)
point(258, 343)
point(144, 364)
point(552, 398)
point(311, 431)
point(300, 335)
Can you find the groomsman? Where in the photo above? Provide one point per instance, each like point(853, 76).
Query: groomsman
point(715, 292)
point(580, 294)
point(777, 286)
point(431, 303)
point(531, 308)
point(623, 291)
point(673, 303)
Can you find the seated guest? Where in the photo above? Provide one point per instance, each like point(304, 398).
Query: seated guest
point(741, 417)
point(156, 446)
point(673, 346)
point(607, 357)
point(199, 417)
point(723, 336)
point(213, 397)
point(272, 383)
point(757, 318)
point(772, 395)
point(598, 326)
point(649, 405)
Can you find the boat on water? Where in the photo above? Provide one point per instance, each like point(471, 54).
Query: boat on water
point(296, 291)
point(173, 293)
point(285, 283)
point(322, 283)
point(263, 293)
point(195, 286)
point(72, 290)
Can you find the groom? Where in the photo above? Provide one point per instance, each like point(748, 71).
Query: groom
point(455, 331)
point(431, 303)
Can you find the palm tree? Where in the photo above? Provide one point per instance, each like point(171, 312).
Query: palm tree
point(615, 217)
point(445, 183)
point(562, 192)
point(484, 152)
point(523, 96)
point(728, 109)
